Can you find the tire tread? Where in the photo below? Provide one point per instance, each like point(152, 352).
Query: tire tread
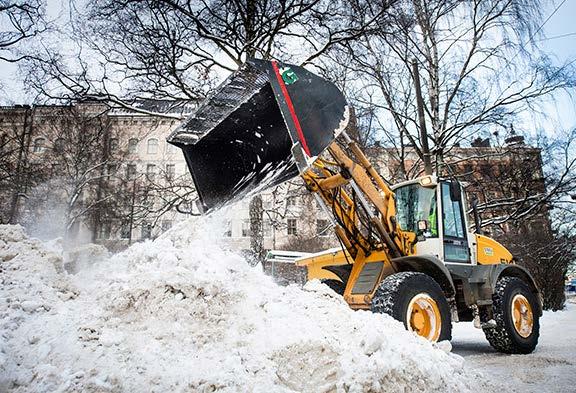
point(390, 296)
point(500, 337)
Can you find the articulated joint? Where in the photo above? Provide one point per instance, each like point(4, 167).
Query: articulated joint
point(345, 173)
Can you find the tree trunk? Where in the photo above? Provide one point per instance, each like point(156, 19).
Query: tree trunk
point(21, 180)
point(256, 233)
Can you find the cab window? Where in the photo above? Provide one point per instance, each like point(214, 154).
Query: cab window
point(415, 203)
point(455, 241)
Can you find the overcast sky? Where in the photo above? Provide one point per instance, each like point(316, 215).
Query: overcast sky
point(561, 25)
point(560, 31)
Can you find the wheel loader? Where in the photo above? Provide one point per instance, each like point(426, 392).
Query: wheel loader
point(405, 249)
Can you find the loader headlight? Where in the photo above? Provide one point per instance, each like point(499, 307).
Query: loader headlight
point(426, 181)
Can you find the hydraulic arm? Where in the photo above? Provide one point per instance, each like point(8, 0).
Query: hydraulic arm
point(362, 207)
point(359, 201)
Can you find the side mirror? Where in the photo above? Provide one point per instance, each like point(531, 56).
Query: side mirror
point(423, 225)
point(455, 191)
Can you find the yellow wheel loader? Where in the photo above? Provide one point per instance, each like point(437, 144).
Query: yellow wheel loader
point(406, 250)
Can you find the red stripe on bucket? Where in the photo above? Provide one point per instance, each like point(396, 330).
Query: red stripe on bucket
point(291, 108)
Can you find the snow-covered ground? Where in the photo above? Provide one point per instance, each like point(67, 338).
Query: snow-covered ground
point(182, 314)
point(550, 368)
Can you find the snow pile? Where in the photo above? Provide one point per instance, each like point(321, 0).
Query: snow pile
point(181, 314)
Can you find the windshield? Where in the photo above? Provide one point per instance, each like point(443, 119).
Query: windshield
point(415, 203)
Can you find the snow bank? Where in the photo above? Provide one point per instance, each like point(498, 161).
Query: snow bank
point(181, 314)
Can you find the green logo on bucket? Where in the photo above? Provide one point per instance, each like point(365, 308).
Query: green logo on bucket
point(288, 76)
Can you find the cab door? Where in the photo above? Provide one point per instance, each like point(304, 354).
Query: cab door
point(454, 233)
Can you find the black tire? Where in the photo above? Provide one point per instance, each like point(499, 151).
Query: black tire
point(504, 337)
point(396, 291)
point(335, 285)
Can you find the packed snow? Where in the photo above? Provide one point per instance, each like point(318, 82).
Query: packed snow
point(182, 314)
point(550, 368)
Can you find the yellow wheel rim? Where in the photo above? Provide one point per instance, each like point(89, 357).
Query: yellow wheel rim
point(522, 316)
point(423, 317)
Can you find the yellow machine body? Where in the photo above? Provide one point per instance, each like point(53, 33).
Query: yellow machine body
point(481, 249)
point(490, 252)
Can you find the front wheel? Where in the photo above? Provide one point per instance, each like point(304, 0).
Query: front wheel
point(516, 312)
point(416, 300)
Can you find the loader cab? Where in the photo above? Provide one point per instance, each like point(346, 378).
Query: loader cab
point(435, 210)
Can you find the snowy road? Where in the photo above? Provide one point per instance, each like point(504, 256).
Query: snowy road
point(551, 368)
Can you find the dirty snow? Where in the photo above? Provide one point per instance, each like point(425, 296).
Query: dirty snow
point(182, 314)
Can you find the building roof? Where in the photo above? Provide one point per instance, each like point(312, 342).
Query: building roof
point(150, 106)
point(147, 107)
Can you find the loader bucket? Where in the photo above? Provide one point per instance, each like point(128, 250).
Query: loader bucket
point(266, 123)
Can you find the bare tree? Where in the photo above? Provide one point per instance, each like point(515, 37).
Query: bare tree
point(471, 58)
point(178, 49)
point(514, 182)
point(150, 195)
point(548, 257)
point(20, 22)
point(80, 150)
point(17, 173)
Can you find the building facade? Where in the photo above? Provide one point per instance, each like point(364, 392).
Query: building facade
point(95, 174)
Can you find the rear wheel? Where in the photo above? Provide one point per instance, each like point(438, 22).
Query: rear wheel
point(516, 311)
point(335, 285)
point(416, 300)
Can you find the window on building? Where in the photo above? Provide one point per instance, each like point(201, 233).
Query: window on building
point(35, 167)
point(113, 144)
point(267, 228)
point(246, 228)
point(150, 171)
point(146, 230)
point(166, 224)
point(227, 229)
point(170, 171)
point(131, 171)
point(59, 145)
point(39, 145)
point(152, 146)
point(112, 169)
point(322, 227)
point(104, 231)
point(125, 230)
point(266, 203)
point(292, 226)
point(57, 169)
point(132, 145)
point(291, 201)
